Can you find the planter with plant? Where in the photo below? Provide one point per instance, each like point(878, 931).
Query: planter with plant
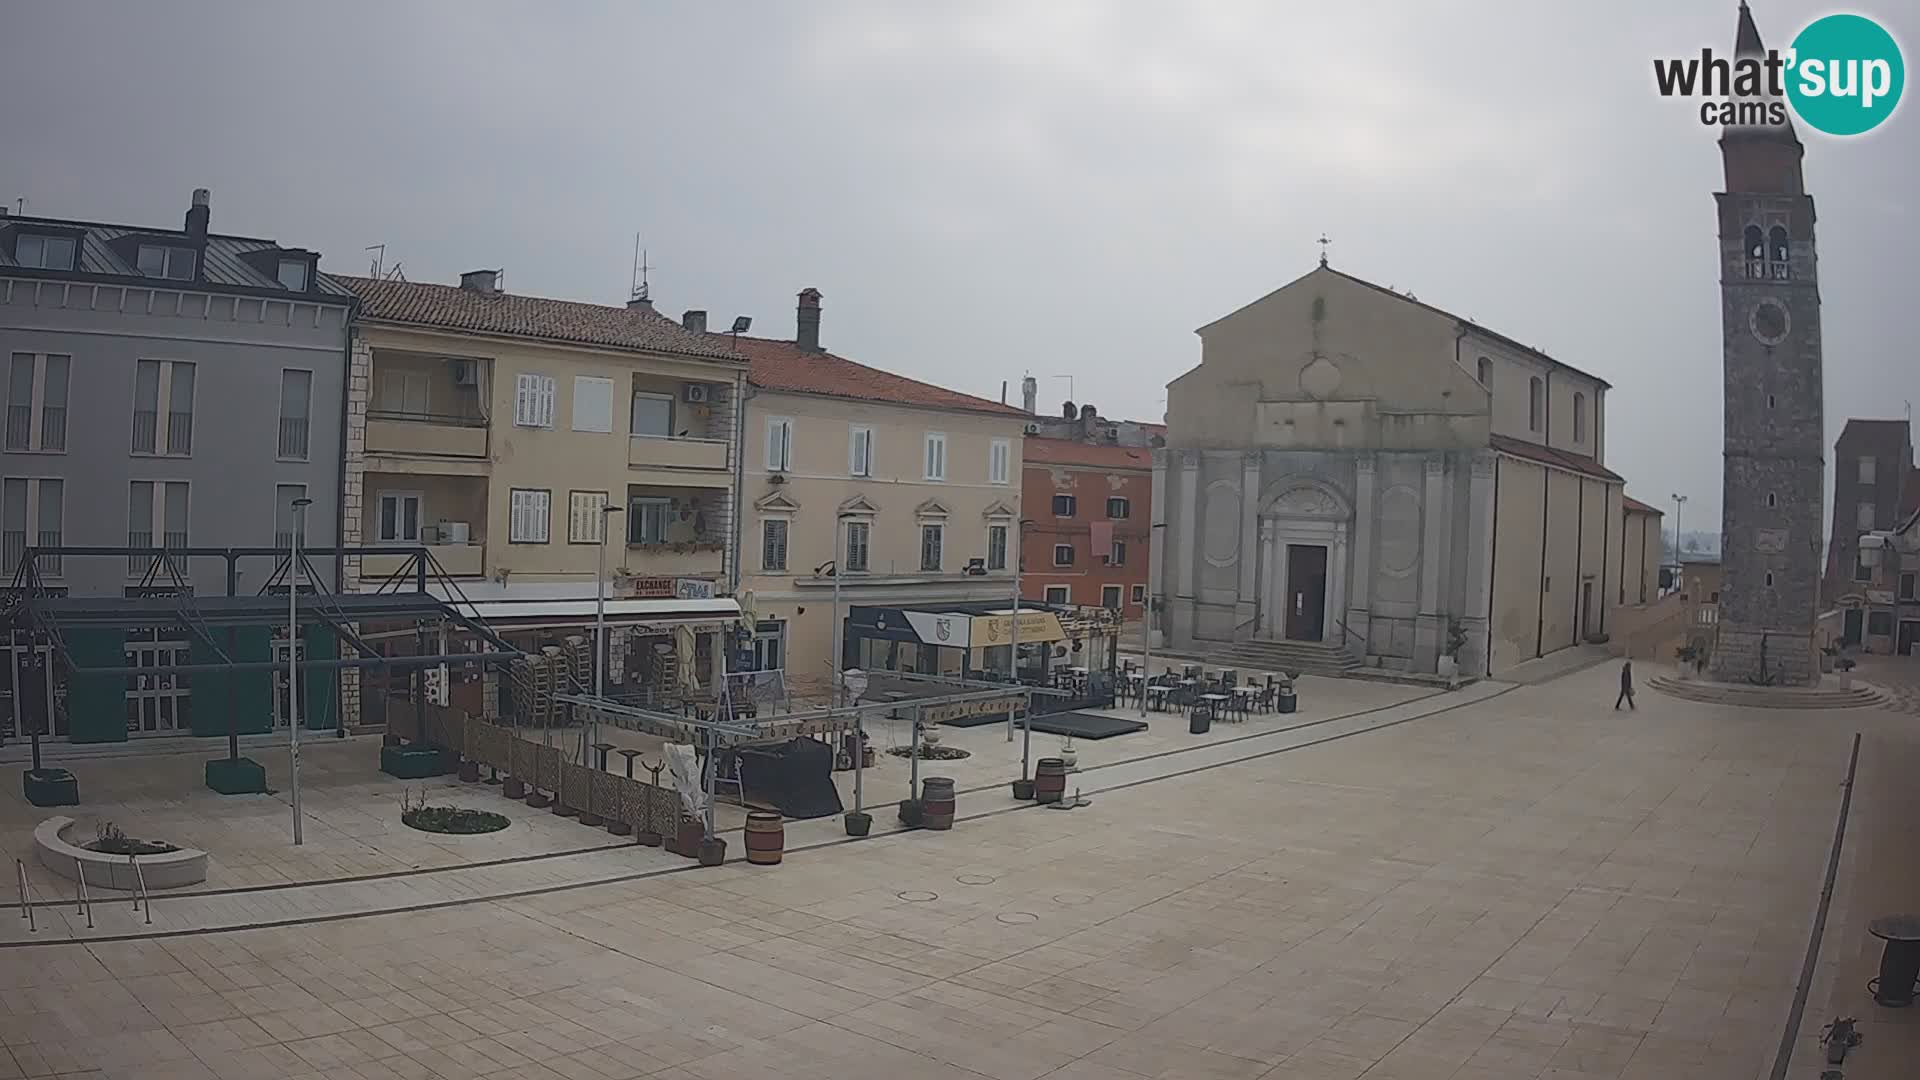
point(1449, 665)
point(858, 822)
point(454, 820)
point(1286, 700)
point(1843, 670)
point(1689, 657)
point(110, 839)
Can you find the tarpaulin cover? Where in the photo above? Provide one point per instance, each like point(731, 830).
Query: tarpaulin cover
point(794, 777)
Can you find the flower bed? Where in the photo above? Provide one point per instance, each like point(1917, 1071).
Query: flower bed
point(931, 752)
point(456, 820)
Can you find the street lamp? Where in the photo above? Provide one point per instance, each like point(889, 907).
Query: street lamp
point(1013, 651)
point(293, 662)
point(1146, 625)
point(1679, 501)
point(839, 651)
point(607, 511)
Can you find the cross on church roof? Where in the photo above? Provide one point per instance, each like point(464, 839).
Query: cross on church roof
point(1323, 242)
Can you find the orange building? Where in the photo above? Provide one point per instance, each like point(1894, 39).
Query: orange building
point(1089, 509)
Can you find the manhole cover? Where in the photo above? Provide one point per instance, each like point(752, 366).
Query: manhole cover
point(917, 896)
point(976, 879)
point(1070, 898)
point(1017, 918)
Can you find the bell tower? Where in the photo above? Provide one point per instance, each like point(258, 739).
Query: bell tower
point(1773, 484)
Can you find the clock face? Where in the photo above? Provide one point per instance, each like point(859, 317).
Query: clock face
point(1769, 322)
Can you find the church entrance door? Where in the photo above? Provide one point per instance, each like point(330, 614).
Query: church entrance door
point(1306, 592)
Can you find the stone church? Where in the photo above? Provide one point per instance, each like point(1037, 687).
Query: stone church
point(1352, 474)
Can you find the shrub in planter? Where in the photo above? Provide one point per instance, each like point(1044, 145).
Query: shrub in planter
point(110, 839)
point(50, 787)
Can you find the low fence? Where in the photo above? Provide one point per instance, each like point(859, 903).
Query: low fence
point(644, 806)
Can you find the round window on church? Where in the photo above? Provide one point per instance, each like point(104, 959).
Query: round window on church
point(1769, 322)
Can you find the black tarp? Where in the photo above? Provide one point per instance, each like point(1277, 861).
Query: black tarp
point(794, 777)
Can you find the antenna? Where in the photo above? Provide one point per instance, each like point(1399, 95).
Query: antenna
point(1323, 242)
point(20, 205)
point(638, 288)
point(379, 253)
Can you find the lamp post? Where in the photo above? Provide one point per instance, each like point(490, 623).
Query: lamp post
point(1146, 625)
point(839, 653)
point(600, 627)
point(1679, 501)
point(293, 662)
point(1013, 632)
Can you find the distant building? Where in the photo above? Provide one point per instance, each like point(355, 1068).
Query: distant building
point(1699, 587)
point(1872, 479)
point(1090, 538)
point(1640, 551)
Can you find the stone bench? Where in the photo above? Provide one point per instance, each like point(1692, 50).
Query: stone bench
point(188, 866)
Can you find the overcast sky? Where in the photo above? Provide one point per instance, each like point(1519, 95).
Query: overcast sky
point(991, 189)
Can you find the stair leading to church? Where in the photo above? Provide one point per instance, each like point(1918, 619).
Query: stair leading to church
point(1312, 658)
point(1857, 696)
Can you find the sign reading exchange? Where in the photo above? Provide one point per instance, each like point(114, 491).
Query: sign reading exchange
point(1034, 626)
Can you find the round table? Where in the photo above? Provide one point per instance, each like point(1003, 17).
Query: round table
point(1244, 697)
point(1899, 961)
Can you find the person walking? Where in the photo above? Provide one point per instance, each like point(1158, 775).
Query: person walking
point(1626, 686)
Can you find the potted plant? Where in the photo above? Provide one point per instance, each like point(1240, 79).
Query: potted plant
point(1286, 701)
point(1023, 790)
point(858, 822)
point(1828, 653)
point(1689, 657)
point(1843, 667)
point(1449, 665)
point(1067, 755)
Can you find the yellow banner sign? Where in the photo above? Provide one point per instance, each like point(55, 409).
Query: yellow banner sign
point(1034, 626)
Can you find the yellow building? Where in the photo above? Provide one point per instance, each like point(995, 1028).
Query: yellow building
point(491, 429)
point(921, 483)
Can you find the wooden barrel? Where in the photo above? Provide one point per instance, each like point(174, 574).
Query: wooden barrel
point(766, 838)
point(1049, 780)
point(936, 803)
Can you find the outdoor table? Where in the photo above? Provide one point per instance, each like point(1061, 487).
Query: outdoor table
point(1243, 698)
point(1899, 961)
point(1214, 703)
point(603, 747)
point(629, 755)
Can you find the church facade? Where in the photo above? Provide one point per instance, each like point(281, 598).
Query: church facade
point(1350, 467)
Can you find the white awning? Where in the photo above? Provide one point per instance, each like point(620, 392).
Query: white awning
point(512, 614)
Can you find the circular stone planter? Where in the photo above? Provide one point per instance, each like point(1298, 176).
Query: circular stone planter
point(187, 866)
point(455, 821)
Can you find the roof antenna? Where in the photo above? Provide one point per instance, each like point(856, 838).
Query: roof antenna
point(1323, 242)
point(638, 288)
point(379, 253)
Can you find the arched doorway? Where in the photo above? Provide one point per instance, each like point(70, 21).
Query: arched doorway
point(1303, 562)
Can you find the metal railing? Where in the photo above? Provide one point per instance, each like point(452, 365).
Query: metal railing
point(13, 546)
point(145, 424)
point(140, 896)
point(19, 426)
point(179, 433)
point(26, 902)
point(48, 564)
point(53, 427)
point(82, 902)
point(293, 437)
point(139, 564)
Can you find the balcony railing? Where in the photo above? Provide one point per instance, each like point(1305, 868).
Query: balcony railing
point(13, 548)
point(137, 565)
point(48, 565)
point(456, 560)
point(293, 437)
point(145, 423)
point(53, 427)
point(179, 433)
point(19, 426)
point(426, 434)
point(665, 452)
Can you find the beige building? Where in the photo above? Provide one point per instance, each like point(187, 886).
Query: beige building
point(1641, 545)
point(921, 484)
point(491, 429)
point(1360, 475)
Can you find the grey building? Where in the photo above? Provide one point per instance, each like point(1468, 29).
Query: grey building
point(1772, 489)
point(169, 387)
point(1872, 461)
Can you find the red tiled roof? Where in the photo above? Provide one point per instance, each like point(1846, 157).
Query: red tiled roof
point(783, 365)
point(1038, 451)
point(1628, 502)
point(1578, 463)
point(449, 307)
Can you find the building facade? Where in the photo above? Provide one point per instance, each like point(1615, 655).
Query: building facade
point(1640, 552)
point(1351, 468)
point(1773, 485)
point(1872, 465)
point(1089, 540)
point(914, 488)
point(167, 388)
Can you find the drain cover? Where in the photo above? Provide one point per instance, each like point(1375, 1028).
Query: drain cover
point(917, 896)
point(1072, 898)
point(1017, 918)
point(976, 879)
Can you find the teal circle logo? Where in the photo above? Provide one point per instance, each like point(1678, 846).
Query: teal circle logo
point(1845, 74)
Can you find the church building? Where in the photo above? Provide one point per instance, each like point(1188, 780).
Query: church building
point(1353, 477)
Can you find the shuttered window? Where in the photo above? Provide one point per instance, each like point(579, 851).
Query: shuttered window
point(860, 451)
point(592, 403)
point(779, 444)
point(936, 456)
point(773, 544)
point(999, 461)
point(529, 513)
point(533, 401)
point(584, 517)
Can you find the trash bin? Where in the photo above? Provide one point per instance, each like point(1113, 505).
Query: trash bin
point(1200, 721)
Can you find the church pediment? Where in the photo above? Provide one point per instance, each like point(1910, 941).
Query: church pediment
point(1307, 499)
point(859, 504)
point(776, 502)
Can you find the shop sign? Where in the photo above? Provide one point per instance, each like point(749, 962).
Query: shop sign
point(991, 630)
point(960, 710)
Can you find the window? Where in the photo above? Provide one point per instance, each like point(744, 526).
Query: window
point(1059, 594)
point(37, 517)
point(1771, 502)
point(936, 456)
point(1866, 470)
point(1063, 506)
point(586, 520)
point(37, 379)
point(1861, 571)
point(1119, 509)
point(1536, 395)
point(1880, 623)
point(293, 275)
point(1139, 594)
point(859, 451)
point(286, 516)
point(1754, 252)
point(533, 401)
point(530, 513)
point(1110, 597)
point(175, 263)
point(769, 645)
point(1484, 372)
point(651, 414)
point(858, 533)
point(1907, 586)
point(999, 461)
point(1063, 554)
point(154, 431)
point(1769, 401)
point(296, 397)
point(1118, 556)
point(779, 444)
point(404, 393)
point(400, 516)
point(43, 252)
point(1579, 418)
point(647, 518)
point(1769, 580)
point(773, 544)
point(162, 701)
point(1862, 516)
point(592, 403)
point(996, 547)
point(1777, 262)
point(932, 541)
point(156, 517)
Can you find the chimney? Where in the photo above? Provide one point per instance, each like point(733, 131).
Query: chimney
point(198, 213)
point(481, 281)
point(640, 303)
point(1067, 411)
point(807, 321)
point(1029, 394)
point(695, 320)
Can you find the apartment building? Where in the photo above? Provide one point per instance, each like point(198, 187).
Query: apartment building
point(916, 487)
point(1872, 466)
point(166, 388)
point(1090, 538)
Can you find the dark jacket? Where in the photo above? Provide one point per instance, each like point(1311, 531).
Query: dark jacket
point(1626, 676)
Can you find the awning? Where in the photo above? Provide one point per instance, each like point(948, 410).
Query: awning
point(664, 613)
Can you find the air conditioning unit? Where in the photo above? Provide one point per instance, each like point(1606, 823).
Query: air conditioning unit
point(455, 532)
point(695, 393)
point(977, 567)
point(1033, 429)
point(465, 372)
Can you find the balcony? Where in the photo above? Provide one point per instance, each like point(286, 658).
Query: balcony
point(426, 435)
point(673, 560)
point(700, 461)
point(456, 560)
